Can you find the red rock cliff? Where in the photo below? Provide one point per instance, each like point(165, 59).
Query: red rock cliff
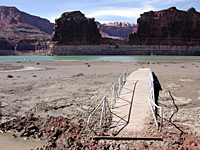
point(73, 28)
point(167, 27)
point(24, 31)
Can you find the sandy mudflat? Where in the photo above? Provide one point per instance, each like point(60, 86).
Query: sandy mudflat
point(72, 89)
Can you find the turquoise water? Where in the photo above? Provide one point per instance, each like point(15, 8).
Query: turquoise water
point(98, 58)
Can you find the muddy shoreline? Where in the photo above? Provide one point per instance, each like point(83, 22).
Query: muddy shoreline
point(61, 94)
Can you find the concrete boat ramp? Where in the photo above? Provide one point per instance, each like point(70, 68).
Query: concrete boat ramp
point(132, 107)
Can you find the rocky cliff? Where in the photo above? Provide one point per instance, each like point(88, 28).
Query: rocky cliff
point(24, 31)
point(5, 45)
point(73, 28)
point(168, 27)
point(116, 30)
point(5, 48)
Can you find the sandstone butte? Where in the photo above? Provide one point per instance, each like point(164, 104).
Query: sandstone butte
point(73, 28)
point(168, 27)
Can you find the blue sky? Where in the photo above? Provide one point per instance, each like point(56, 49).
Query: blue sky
point(102, 10)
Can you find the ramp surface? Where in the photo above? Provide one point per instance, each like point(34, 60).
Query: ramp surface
point(132, 107)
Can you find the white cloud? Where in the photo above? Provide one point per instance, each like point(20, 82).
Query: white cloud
point(187, 6)
point(51, 17)
point(128, 13)
point(149, 2)
point(104, 10)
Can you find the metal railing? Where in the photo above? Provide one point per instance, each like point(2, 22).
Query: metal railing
point(152, 102)
point(114, 92)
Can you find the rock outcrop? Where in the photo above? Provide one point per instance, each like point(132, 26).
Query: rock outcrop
point(168, 27)
point(73, 28)
point(24, 31)
point(5, 45)
point(6, 48)
point(116, 30)
point(32, 44)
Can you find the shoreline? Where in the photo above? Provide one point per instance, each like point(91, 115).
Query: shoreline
point(109, 58)
point(75, 87)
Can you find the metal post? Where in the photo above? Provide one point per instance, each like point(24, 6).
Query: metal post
point(153, 113)
point(161, 122)
point(124, 78)
point(115, 93)
point(119, 88)
point(102, 111)
point(88, 122)
point(113, 100)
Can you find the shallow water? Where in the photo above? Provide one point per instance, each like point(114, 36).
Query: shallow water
point(194, 106)
point(47, 87)
point(101, 58)
point(8, 142)
point(58, 112)
point(26, 68)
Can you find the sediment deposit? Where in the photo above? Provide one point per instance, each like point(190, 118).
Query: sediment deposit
point(125, 50)
point(53, 103)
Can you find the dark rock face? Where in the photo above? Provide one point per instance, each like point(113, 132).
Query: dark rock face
point(32, 44)
point(116, 30)
point(17, 26)
point(168, 27)
point(5, 48)
point(73, 28)
point(5, 45)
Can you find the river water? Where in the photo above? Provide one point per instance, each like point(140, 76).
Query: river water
point(101, 58)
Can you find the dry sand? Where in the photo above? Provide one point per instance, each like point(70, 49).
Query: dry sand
point(72, 89)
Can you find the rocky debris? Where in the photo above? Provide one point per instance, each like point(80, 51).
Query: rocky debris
point(116, 30)
point(62, 133)
point(167, 27)
point(24, 31)
point(73, 28)
point(59, 132)
point(9, 76)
